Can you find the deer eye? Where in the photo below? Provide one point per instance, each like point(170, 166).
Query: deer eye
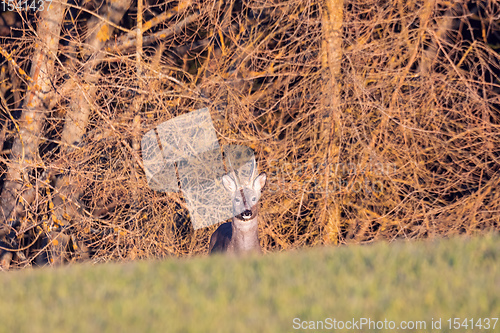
point(237, 200)
point(254, 199)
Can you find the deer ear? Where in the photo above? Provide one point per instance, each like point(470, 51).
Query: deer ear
point(259, 182)
point(229, 183)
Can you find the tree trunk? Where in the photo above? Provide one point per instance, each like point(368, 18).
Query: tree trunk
point(24, 155)
point(330, 129)
point(67, 194)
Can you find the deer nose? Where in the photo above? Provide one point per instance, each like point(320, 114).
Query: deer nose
point(246, 214)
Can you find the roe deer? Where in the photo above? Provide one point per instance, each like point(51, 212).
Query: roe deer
point(240, 235)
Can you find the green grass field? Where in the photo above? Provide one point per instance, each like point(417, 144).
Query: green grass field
point(401, 281)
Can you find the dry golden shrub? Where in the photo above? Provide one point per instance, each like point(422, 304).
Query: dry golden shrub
point(415, 131)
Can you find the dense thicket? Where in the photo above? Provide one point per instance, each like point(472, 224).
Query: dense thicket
point(373, 119)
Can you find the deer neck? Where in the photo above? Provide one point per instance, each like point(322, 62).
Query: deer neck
point(245, 234)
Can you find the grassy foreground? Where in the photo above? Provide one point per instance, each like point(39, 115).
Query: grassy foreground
point(424, 281)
